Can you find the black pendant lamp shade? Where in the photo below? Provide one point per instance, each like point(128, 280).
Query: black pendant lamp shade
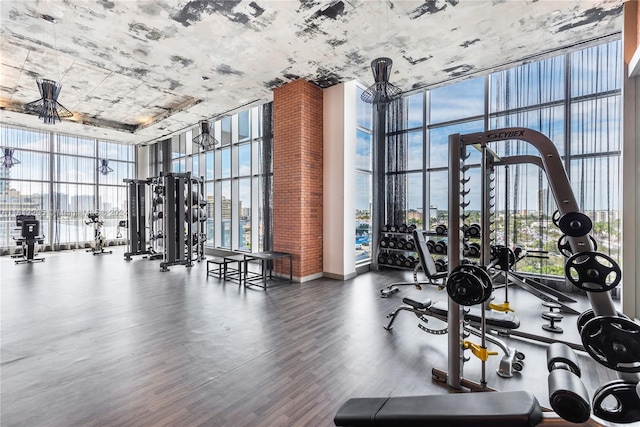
point(104, 168)
point(381, 91)
point(206, 139)
point(47, 107)
point(7, 160)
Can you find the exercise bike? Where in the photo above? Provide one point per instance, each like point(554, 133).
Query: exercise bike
point(98, 238)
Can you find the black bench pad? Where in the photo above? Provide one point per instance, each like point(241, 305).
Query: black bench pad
point(487, 409)
point(494, 318)
point(418, 305)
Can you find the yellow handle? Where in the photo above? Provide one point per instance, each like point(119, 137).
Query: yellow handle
point(480, 352)
point(504, 307)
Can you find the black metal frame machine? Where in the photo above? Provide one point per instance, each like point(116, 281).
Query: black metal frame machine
point(29, 237)
point(176, 228)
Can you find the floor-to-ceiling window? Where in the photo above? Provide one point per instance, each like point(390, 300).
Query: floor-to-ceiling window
point(574, 99)
point(234, 175)
point(363, 179)
point(58, 180)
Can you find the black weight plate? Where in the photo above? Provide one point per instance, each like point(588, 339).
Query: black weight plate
point(469, 285)
point(617, 402)
point(593, 268)
point(613, 342)
point(474, 230)
point(575, 224)
point(588, 315)
point(565, 247)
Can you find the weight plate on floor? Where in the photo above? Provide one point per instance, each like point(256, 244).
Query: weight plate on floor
point(593, 268)
point(613, 342)
point(617, 402)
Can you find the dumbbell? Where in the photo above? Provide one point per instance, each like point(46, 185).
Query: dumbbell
point(399, 260)
point(385, 228)
point(440, 247)
point(401, 243)
point(393, 228)
point(471, 250)
point(409, 245)
point(384, 242)
point(441, 229)
point(441, 265)
point(431, 246)
point(393, 243)
point(473, 231)
point(382, 259)
point(409, 262)
point(402, 228)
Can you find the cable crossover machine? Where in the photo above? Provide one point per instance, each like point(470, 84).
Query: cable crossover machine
point(175, 231)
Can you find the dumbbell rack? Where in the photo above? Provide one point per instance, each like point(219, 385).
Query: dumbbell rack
point(393, 246)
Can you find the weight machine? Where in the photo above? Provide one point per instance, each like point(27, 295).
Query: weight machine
point(176, 224)
point(183, 220)
point(29, 236)
point(610, 338)
point(137, 229)
point(98, 238)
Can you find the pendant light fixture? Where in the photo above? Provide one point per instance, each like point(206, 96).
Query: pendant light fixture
point(47, 107)
point(381, 92)
point(206, 140)
point(104, 168)
point(7, 160)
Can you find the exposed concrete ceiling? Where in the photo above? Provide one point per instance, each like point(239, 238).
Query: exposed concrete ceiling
point(139, 71)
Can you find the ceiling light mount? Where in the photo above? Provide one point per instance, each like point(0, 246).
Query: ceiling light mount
point(49, 18)
point(381, 91)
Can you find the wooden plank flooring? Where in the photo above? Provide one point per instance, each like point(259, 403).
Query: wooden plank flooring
point(99, 341)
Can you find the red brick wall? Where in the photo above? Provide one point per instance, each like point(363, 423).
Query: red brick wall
point(297, 176)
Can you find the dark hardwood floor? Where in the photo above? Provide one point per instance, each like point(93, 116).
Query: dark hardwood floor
point(99, 341)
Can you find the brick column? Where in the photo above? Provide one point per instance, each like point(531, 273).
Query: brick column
point(297, 177)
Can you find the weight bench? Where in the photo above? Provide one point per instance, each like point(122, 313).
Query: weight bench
point(511, 361)
point(427, 263)
point(488, 409)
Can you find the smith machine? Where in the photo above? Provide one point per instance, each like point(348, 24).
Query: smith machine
point(176, 231)
point(612, 339)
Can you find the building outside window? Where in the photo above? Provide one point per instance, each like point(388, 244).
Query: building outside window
point(363, 180)
point(58, 181)
point(233, 175)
